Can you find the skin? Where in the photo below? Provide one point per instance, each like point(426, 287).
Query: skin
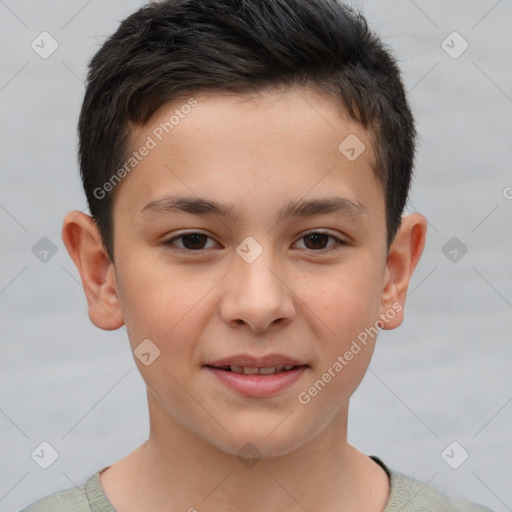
point(297, 298)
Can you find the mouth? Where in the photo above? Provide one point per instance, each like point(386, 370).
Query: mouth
point(253, 370)
point(257, 377)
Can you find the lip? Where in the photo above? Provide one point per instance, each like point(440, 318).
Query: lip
point(256, 385)
point(256, 362)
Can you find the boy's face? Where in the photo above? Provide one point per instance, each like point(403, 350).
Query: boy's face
point(253, 284)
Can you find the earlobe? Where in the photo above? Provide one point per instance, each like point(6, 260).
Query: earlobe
point(83, 243)
point(403, 256)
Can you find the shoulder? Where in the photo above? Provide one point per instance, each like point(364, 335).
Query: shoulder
point(410, 495)
point(82, 498)
point(61, 501)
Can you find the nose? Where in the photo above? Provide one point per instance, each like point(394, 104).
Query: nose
point(257, 294)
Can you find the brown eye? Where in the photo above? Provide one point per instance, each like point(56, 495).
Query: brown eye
point(317, 241)
point(194, 241)
point(190, 242)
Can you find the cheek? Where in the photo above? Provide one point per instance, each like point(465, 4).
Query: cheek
point(161, 305)
point(346, 300)
point(348, 308)
point(154, 300)
point(347, 304)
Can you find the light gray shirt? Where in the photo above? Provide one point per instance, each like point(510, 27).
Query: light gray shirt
point(406, 495)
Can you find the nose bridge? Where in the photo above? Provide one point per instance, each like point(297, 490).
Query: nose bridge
point(253, 267)
point(254, 293)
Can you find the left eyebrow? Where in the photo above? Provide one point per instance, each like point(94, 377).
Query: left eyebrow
point(323, 206)
point(293, 208)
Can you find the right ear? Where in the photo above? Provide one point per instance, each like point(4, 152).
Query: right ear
point(83, 242)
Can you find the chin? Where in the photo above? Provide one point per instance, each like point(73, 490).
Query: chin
point(252, 444)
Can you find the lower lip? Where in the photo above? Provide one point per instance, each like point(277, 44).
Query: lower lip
point(258, 385)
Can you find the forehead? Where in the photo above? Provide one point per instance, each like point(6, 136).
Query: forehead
point(286, 144)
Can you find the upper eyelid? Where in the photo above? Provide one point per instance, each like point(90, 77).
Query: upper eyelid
point(186, 233)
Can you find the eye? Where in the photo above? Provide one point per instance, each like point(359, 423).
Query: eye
point(316, 240)
point(196, 241)
point(192, 242)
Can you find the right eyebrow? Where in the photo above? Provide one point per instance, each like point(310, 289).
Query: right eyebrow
point(189, 204)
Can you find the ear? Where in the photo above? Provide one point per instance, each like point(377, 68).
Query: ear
point(403, 256)
point(83, 243)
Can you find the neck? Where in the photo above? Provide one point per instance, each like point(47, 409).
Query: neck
point(176, 467)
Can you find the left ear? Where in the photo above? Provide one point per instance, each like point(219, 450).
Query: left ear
point(403, 256)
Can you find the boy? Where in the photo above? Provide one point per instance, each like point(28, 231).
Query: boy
point(246, 164)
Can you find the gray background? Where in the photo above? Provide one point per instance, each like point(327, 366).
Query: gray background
point(443, 376)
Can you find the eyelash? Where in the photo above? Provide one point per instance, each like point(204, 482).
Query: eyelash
point(340, 243)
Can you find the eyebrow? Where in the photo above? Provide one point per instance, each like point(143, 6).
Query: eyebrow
point(293, 208)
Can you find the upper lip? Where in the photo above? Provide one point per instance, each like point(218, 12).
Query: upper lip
point(249, 361)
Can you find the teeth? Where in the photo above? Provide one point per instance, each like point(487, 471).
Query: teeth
point(247, 370)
